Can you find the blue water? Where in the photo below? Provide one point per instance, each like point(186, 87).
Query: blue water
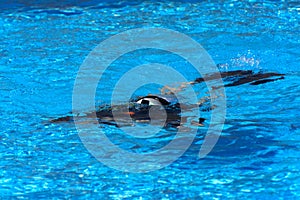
point(42, 47)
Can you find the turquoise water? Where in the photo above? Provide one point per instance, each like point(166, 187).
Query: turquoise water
point(43, 45)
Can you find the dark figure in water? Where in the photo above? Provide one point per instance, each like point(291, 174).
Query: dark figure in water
point(139, 108)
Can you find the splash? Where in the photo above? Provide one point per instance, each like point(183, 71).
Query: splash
point(246, 61)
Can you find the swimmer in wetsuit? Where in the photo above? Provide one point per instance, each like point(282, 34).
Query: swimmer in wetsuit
point(139, 108)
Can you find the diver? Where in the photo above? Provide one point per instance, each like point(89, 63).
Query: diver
point(139, 108)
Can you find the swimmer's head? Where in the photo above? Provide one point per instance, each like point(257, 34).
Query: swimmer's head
point(153, 100)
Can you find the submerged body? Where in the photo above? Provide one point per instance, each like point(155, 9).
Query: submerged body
point(139, 108)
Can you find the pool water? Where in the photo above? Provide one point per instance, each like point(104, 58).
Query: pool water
point(43, 45)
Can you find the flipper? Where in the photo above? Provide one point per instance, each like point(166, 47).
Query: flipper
point(240, 77)
point(266, 81)
point(255, 79)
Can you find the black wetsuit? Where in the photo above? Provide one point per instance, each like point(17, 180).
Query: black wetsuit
point(139, 108)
